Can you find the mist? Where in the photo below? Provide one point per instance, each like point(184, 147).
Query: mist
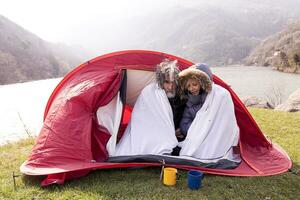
point(158, 25)
point(182, 27)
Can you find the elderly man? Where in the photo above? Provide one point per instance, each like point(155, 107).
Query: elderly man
point(167, 79)
point(156, 116)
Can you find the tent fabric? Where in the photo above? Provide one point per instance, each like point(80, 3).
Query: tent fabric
point(72, 142)
point(177, 160)
point(214, 131)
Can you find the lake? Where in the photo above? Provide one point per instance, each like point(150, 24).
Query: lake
point(258, 81)
point(22, 105)
point(21, 108)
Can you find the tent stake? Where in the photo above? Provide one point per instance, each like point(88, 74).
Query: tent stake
point(14, 178)
point(162, 169)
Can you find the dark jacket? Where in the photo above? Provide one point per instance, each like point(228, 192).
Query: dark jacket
point(177, 106)
point(203, 74)
point(193, 105)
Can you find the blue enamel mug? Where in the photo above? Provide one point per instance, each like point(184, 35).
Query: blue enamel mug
point(194, 179)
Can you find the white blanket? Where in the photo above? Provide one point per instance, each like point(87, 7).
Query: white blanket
point(210, 137)
point(151, 128)
point(214, 130)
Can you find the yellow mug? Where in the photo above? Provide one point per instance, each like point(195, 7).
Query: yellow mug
point(170, 176)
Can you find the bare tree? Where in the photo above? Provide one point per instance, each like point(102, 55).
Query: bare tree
point(25, 127)
point(275, 96)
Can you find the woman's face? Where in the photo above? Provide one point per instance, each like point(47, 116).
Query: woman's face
point(193, 86)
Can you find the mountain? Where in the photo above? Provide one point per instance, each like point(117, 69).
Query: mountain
point(217, 32)
point(281, 50)
point(24, 56)
point(217, 36)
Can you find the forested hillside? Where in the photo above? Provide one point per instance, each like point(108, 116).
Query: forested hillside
point(281, 50)
point(24, 56)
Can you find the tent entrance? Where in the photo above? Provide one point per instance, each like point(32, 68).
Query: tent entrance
point(116, 114)
point(115, 117)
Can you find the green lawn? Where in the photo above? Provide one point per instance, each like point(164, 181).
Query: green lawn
point(282, 128)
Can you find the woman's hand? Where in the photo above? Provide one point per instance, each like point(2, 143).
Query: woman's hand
point(178, 133)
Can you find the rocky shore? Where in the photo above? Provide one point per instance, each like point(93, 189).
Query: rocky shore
point(292, 104)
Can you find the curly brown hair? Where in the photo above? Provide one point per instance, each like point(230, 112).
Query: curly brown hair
point(196, 74)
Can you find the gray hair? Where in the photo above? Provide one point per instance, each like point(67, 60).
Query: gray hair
point(167, 70)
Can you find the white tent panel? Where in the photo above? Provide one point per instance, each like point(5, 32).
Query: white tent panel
point(136, 81)
point(109, 116)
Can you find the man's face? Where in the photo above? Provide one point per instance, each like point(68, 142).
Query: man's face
point(170, 88)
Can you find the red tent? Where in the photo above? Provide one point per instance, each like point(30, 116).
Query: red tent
point(72, 142)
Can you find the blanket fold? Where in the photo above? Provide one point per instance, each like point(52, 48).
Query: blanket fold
point(214, 130)
point(210, 137)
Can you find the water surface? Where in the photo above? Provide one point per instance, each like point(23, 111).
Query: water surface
point(258, 81)
point(21, 108)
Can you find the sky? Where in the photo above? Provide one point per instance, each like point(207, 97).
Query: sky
point(92, 24)
point(57, 20)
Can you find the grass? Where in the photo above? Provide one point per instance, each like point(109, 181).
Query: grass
point(282, 128)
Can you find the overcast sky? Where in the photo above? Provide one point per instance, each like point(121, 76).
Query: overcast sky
point(77, 22)
point(55, 20)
